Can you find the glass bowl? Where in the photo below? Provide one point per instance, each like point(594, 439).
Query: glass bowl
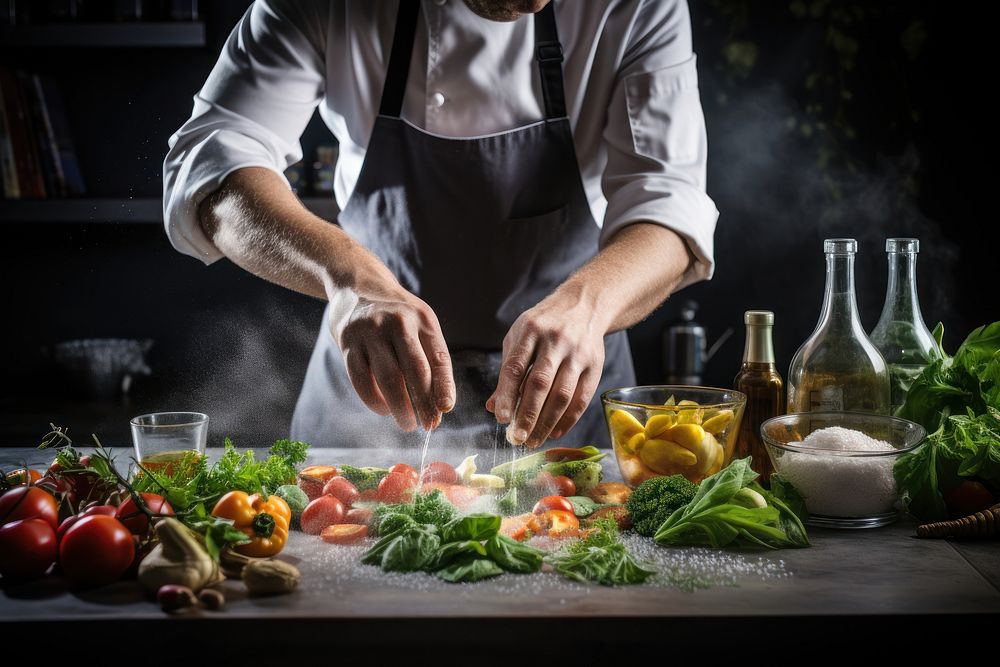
point(844, 484)
point(661, 430)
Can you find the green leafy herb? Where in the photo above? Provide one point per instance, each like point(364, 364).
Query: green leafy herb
point(653, 501)
point(363, 478)
point(432, 508)
point(600, 557)
point(472, 527)
point(216, 532)
point(584, 506)
point(713, 519)
point(470, 569)
point(514, 556)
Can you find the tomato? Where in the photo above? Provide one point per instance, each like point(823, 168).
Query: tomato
point(515, 527)
point(312, 479)
point(968, 498)
point(344, 533)
point(406, 470)
point(16, 477)
point(610, 493)
point(359, 515)
point(555, 523)
point(135, 519)
point(552, 503)
point(458, 495)
point(28, 502)
point(439, 471)
point(96, 550)
point(369, 495)
point(27, 548)
point(396, 487)
point(95, 510)
point(320, 513)
point(342, 489)
point(564, 485)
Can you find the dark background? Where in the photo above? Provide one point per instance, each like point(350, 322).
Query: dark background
point(825, 119)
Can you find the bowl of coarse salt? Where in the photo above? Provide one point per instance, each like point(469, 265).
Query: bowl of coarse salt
point(842, 463)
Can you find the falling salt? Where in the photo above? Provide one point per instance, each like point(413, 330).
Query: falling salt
point(423, 459)
point(835, 484)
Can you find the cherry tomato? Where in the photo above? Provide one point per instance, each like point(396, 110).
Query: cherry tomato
point(396, 487)
point(439, 471)
point(27, 548)
point(95, 510)
point(610, 493)
point(564, 485)
point(17, 477)
point(968, 498)
point(458, 495)
point(135, 519)
point(554, 523)
point(320, 513)
point(344, 533)
point(515, 527)
point(359, 515)
point(28, 502)
point(369, 495)
point(96, 550)
point(552, 503)
point(313, 478)
point(406, 470)
point(343, 489)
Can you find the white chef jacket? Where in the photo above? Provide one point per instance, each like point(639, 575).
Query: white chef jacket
point(631, 96)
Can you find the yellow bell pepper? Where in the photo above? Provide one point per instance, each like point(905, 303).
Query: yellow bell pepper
point(265, 522)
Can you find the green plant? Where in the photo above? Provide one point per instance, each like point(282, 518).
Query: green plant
point(653, 501)
point(600, 557)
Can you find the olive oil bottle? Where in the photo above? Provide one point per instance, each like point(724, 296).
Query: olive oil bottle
point(760, 381)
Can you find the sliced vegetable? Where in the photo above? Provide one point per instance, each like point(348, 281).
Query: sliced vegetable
point(344, 533)
point(552, 503)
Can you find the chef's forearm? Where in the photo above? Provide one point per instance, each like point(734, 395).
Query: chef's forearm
point(259, 224)
point(634, 273)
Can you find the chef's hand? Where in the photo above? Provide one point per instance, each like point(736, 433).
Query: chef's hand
point(397, 358)
point(553, 356)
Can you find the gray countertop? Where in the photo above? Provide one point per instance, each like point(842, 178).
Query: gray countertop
point(879, 572)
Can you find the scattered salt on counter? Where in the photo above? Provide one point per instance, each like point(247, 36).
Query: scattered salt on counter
point(837, 485)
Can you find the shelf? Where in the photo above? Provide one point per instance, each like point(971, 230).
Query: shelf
point(108, 210)
point(100, 35)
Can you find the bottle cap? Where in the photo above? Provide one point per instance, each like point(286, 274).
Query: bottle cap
point(758, 317)
point(840, 246)
point(902, 245)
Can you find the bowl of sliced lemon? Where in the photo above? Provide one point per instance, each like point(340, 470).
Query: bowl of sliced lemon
point(661, 430)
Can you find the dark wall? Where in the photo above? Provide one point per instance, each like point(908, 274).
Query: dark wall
point(236, 347)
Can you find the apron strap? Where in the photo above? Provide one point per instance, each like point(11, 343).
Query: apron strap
point(548, 52)
point(399, 58)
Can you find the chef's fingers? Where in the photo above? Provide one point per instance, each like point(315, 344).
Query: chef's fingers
point(364, 384)
point(442, 376)
point(417, 376)
point(514, 367)
point(585, 388)
point(533, 394)
point(560, 395)
point(390, 381)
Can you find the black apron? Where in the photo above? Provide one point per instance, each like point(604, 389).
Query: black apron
point(481, 229)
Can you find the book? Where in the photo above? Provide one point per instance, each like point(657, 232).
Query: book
point(56, 183)
point(36, 134)
point(28, 177)
point(62, 139)
point(8, 168)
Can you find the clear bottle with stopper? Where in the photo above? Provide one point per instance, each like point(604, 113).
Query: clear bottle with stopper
point(838, 367)
point(760, 381)
point(901, 335)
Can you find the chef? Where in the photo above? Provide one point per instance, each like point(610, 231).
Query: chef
point(519, 181)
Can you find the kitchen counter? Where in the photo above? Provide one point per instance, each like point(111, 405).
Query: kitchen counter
point(869, 583)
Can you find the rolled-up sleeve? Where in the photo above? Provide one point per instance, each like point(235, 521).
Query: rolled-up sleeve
point(655, 137)
point(250, 112)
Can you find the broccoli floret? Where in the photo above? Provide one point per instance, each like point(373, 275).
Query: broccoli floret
point(363, 478)
point(432, 508)
point(585, 474)
point(656, 499)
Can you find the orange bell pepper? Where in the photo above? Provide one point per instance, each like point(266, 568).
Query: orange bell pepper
point(265, 522)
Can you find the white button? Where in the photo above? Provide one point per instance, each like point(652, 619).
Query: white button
point(437, 99)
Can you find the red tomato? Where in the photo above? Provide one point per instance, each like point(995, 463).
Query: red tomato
point(458, 495)
point(342, 489)
point(396, 487)
point(96, 550)
point(515, 527)
point(406, 470)
point(552, 503)
point(555, 523)
point(106, 510)
point(968, 498)
point(369, 495)
point(344, 533)
point(27, 548)
point(564, 485)
point(135, 519)
point(359, 515)
point(28, 502)
point(439, 471)
point(320, 513)
point(314, 478)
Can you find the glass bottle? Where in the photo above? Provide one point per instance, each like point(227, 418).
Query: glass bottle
point(838, 368)
point(901, 335)
point(760, 381)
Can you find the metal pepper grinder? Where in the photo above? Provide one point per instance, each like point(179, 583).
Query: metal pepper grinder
point(685, 347)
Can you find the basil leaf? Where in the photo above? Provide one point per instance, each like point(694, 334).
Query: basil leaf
point(469, 569)
point(477, 527)
point(513, 556)
point(455, 550)
point(790, 514)
point(584, 506)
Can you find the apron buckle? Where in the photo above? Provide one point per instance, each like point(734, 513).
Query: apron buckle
point(549, 52)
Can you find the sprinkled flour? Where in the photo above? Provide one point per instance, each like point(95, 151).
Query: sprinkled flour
point(837, 485)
